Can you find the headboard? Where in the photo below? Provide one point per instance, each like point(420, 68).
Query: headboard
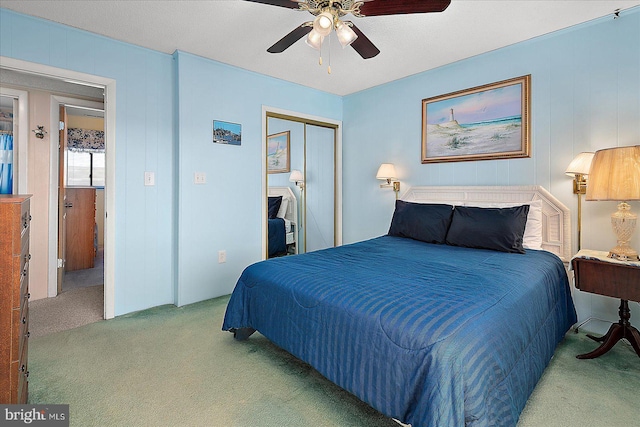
point(556, 218)
point(292, 207)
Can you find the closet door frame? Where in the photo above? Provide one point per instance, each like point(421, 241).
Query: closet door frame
point(279, 113)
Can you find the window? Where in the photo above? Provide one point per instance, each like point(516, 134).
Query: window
point(85, 169)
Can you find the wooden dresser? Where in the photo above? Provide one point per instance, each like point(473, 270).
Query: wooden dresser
point(15, 221)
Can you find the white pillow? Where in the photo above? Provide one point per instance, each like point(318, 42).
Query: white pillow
point(283, 208)
point(532, 238)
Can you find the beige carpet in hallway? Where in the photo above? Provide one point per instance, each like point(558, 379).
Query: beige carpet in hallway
point(68, 310)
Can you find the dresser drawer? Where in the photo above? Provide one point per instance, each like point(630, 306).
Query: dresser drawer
point(23, 389)
point(21, 229)
point(23, 376)
point(16, 326)
point(19, 377)
point(21, 285)
point(24, 326)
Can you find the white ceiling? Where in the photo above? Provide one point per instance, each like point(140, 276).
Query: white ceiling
point(238, 32)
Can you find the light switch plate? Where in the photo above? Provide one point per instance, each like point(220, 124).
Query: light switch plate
point(199, 178)
point(149, 178)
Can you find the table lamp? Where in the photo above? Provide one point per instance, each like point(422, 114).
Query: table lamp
point(615, 175)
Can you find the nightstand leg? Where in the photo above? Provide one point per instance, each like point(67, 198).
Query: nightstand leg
point(616, 332)
point(634, 339)
point(602, 338)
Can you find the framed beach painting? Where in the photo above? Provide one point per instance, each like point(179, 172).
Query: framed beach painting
point(227, 133)
point(278, 152)
point(482, 123)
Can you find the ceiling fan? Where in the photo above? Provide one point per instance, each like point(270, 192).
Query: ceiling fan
point(328, 16)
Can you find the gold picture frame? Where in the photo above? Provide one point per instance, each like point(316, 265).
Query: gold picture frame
point(278, 153)
point(481, 123)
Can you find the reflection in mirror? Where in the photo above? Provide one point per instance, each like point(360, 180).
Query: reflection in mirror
point(301, 177)
point(285, 152)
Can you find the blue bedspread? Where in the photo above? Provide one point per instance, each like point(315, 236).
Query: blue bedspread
point(432, 335)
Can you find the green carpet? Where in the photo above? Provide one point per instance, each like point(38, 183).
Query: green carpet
point(171, 366)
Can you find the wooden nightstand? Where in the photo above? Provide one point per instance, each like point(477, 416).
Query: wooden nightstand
point(596, 273)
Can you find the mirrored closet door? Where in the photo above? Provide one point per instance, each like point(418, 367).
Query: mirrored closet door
point(301, 185)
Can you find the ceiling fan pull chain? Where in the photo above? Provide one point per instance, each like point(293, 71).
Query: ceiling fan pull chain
point(329, 55)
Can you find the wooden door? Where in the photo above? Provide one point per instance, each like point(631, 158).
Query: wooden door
point(81, 222)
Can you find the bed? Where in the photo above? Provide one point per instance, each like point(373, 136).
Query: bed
point(282, 220)
point(430, 334)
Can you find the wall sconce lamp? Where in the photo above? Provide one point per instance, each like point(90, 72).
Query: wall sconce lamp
point(39, 131)
point(296, 176)
point(615, 175)
point(579, 170)
point(387, 172)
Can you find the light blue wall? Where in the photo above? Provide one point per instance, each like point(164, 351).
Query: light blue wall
point(225, 213)
point(585, 94)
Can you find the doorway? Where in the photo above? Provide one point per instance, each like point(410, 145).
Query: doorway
point(81, 185)
point(108, 86)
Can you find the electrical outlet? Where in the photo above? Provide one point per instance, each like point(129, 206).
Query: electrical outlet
point(149, 178)
point(222, 257)
point(199, 178)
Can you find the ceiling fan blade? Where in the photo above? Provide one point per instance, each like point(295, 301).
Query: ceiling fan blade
point(291, 4)
point(295, 35)
point(363, 45)
point(399, 7)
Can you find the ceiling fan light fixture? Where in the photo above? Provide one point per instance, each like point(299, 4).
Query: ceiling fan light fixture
point(345, 34)
point(323, 24)
point(314, 39)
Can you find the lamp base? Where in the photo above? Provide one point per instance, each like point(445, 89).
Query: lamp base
point(624, 223)
point(622, 254)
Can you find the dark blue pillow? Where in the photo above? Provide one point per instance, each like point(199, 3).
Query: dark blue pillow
point(499, 229)
point(274, 206)
point(421, 221)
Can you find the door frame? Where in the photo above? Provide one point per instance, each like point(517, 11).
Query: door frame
point(109, 86)
point(21, 153)
point(266, 111)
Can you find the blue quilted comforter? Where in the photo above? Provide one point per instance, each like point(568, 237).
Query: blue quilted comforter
point(431, 335)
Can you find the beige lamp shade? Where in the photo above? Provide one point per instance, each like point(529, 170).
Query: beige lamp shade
point(386, 171)
point(615, 174)
point(580, 165)
point(296, 176)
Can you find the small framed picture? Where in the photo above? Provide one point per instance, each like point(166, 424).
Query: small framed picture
point(278, 155)
point(227, 133)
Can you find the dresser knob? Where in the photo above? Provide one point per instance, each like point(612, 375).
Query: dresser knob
point(29, 217)
point(24, 320)
point(22, 368)
point(28, 295)
point(28, 334)
point(29, 256)
point(26, 374)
